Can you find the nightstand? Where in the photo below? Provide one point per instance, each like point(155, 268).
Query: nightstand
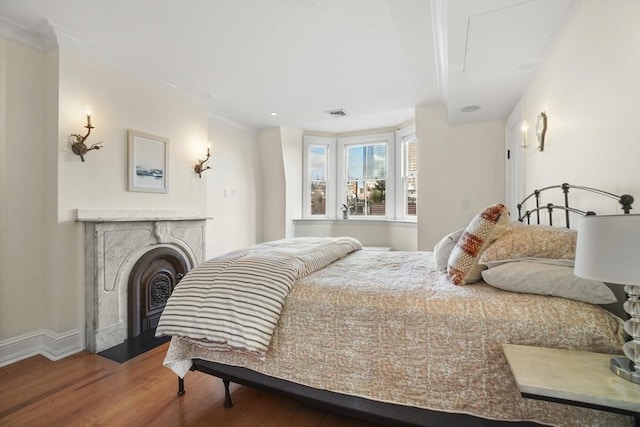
point(575, 378)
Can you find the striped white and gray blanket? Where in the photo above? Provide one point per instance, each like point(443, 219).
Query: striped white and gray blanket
point(233, 302)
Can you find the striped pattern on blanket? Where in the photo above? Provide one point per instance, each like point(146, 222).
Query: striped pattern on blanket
point(233, 302)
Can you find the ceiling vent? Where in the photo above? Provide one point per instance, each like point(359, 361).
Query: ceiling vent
point(337, 113)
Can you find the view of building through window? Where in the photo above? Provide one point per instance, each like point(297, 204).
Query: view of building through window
point(366, 179)
point(410, 175)
point(318, 163)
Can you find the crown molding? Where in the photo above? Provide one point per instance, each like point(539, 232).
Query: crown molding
point(439, 25)
point(42, 37)
point(250, 130)
point(47, 36)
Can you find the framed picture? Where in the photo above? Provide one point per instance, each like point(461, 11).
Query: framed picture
point(148, 162)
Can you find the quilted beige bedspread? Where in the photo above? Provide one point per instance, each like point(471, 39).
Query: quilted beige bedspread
point(388, 326)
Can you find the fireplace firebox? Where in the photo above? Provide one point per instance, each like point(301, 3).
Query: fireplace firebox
point(151, 282)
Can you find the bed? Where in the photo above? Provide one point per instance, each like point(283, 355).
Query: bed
point(391, 338)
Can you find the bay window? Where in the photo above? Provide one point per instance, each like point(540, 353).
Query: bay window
point(371, 176)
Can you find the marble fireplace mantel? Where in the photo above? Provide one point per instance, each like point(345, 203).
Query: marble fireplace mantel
point(123, 215)
point(114, 241)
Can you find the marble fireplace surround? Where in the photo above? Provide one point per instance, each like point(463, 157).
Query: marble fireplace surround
point(113, 241)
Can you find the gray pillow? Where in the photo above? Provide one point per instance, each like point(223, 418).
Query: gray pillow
point(443, 249)
point(547, 279)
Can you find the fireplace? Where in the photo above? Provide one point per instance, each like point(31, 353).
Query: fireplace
point(151, 282)
point(133, 260)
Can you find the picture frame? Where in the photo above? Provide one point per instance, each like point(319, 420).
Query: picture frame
point(148, 166)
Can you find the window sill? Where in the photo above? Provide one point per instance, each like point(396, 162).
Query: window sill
point(357, 221)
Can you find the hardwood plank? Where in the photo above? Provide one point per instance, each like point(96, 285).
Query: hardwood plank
point(87, 389)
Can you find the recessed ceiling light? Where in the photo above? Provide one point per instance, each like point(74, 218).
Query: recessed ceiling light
point(274, 113)
point(470, 109)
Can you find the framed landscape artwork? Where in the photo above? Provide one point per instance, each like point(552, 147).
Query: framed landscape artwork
point(148, 162)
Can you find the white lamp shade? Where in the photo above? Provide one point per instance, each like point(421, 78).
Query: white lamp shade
point(608, 249)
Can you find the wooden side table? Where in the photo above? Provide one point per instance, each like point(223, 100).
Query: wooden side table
point(577, 378)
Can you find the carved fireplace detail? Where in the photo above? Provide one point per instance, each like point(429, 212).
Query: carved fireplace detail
point(153, 248)
point(151, 282)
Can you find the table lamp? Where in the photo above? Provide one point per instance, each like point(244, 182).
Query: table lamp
point(608, 250)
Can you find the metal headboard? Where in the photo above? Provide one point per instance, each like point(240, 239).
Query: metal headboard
point(626, 200)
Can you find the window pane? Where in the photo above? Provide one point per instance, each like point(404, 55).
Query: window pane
point(376, 190)
point(376, 163)
point(412, 195)
point(409, 176)
point(356, 161)
point(318, 198)
point(317, 162)
point(412, 164)
point(355, 197)
point(366, 197)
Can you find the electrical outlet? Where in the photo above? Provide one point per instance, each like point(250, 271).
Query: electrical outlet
point(465, 204)
point(228, 192)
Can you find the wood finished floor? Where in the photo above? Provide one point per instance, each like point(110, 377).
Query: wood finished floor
point(90, 390)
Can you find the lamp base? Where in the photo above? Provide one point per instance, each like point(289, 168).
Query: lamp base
point(621, 366)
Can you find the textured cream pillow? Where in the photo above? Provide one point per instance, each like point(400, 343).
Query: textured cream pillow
point(546, 279)
point(532, 241)
point(483, 229)
point(443, 248)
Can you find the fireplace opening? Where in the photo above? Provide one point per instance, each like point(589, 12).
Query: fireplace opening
point(151, 282)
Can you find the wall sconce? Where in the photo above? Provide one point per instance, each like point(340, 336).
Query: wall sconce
point(541, 130)
point(200, 167)
point(525, 129)
point(78, 147)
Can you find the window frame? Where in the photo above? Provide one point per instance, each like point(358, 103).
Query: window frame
point(403, 136)
point(330, 145)
point(370, 139)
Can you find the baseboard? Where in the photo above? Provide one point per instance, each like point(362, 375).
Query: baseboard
point(49, 344)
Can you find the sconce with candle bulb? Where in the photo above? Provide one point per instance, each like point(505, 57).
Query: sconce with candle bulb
point(525, 129)
point(200, 166)
point(79, 147)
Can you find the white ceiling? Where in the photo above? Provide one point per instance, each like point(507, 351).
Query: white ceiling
point(376, 59)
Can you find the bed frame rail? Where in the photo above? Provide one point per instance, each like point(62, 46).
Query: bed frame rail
point(377, 413)
point(626, 200)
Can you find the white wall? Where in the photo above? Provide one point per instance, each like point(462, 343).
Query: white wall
point(273, 208)
point(589, 86)
point(397, 235)
point(22, 194)
point(234, 188)
point(461, 171)
point(281, 163)
point(42, 99)
point(292, 148)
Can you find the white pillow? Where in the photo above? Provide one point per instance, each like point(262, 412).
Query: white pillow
point(547, 279)
point(443, 248)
